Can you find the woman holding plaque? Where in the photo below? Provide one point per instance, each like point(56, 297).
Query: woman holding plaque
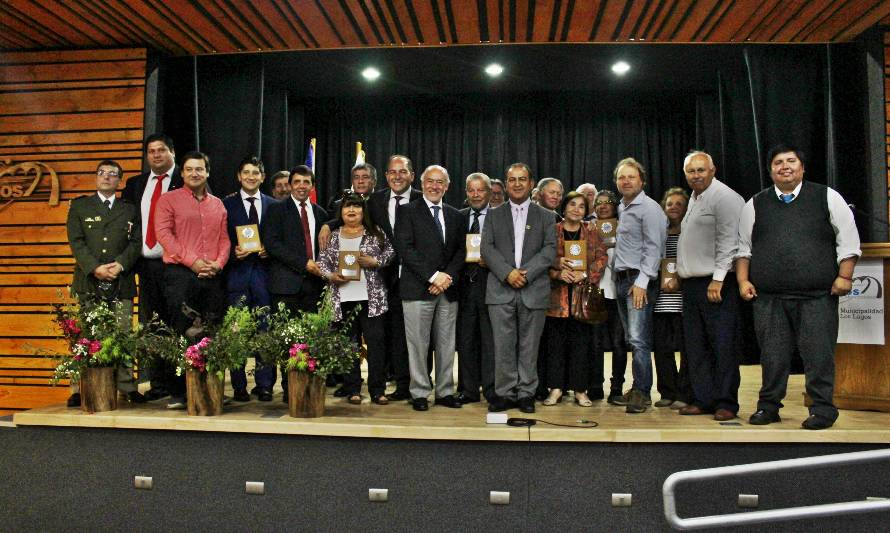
point(351, 263)
point(609, 335)
point(580, 259)
point(674, 387)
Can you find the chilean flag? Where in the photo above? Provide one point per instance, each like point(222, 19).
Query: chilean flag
point(310, 162)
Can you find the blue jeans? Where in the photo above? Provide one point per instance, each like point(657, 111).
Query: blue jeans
point(638, 330)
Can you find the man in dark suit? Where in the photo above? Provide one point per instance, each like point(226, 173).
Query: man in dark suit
point(290, 236)
point(247, 275)
point(383, 205)
point(143, 191)
point(475, 342)
point(429, 236)
point(103, 232)
point(518, 245)
point(364, 179)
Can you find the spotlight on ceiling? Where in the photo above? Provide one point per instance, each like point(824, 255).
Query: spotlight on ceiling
point(371, 74)
point(620, 68)
point(494, 70)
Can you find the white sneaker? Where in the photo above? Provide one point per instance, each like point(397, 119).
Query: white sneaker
point(176, 403)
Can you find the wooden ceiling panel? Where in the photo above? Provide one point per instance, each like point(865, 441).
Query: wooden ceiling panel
point(196, 27)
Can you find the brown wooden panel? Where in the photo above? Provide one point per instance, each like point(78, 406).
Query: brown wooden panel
point(23, 380)
point(869, 12)
point(769, 27)
point(20, 261)
point(156, 27)
point(699, 12)
point(73, 150)
point(36, 233)
point(75, 100)
point(492, 14)
point(543, 19)
point(30, 325)
point(863, 23)
point(26, 363)
point(657, 20)
point(21, 212)
point(367, 26)
point(72, 71)
point(733, 20)
point(792, 26)
point(313, 18)
point(61, 140)
point(282, 32)
point(47, 347)
point(47, 22)
point(583, 17)
point(17, 397)
point(71, 122)
point(68, 85)
point(522, 22)
point(471, 10)
point(636, 11)
point(47, 269)
point(34, 250)
point(423, 9)
point(20, 29)
point(223, 13)
point(65, 56)
point(56, 278)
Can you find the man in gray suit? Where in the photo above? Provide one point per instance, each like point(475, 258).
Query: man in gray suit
point(518, 245)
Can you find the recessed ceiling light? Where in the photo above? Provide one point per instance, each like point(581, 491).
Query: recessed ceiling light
point(494, 70)
point(620, 68)
point(371, 73)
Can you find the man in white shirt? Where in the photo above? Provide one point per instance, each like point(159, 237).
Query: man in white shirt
point(798, 246)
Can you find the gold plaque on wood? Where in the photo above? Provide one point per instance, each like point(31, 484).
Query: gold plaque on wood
point(576, 252)
point(348, 265)
point(474, 247)
point(249, 237)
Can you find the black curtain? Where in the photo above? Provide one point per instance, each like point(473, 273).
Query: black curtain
point(759, 96)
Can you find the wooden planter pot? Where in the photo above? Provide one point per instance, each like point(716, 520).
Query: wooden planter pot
point(305, 395)
point(98, 390)
point(204, 393)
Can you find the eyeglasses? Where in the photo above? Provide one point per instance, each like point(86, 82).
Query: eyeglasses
point(110, 173)
point(603, 202)
point(400, 172)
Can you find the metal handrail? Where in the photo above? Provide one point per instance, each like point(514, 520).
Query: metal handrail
point(773, 515)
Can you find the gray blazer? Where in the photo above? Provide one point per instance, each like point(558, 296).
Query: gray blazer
point(538, 252)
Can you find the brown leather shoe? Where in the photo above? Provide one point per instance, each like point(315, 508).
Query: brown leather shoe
point(722, 415)
point(692, 410)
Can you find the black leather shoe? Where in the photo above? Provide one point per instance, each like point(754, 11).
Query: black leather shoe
point(241, 395)
point(420, 404)
point(763, 417)
point(74, 400)
point(264, 395)
point(398, 395)
point(596, 394)
point(541, 395)
point(464, 398)
point(156, 394)
point(135, 397)
point(448, 401)
point(496, 405)
point(342, 392)
point(527, 404)
point(817, 422)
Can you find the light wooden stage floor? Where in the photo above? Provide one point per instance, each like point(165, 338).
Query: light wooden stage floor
point(399, 421)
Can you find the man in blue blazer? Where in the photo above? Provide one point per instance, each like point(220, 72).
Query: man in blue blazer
point(518, 245)
point(429, 236)
point(246, 273)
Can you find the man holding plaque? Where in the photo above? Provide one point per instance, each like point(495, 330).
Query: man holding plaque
point(518, 245)
point(705, 251)
point(105, 239)
point(429, 236)
point(247, 274)
point(798, 245)
point(191, 227)
point(475, 344)
point(639, 247)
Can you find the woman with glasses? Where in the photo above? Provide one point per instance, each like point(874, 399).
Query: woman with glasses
point(351, 263)
point(568, 364)
point(609, 335)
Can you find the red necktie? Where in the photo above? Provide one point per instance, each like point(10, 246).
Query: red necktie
point(306, 235)
point(150, 238)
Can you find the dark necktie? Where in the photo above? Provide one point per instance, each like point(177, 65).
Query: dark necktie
point(307, 237)
point(107, 204)
point(438, 224)
point(788, 197)
point(474, 227)
point(150, 238)
point(395, 211)
point(252, 216)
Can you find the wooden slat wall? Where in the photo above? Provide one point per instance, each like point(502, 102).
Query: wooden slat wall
point(69, 110)
point(887, 105)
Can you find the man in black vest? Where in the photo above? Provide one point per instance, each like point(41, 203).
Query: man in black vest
point(798, 245)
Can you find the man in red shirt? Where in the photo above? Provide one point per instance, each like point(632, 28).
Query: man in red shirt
point(190, 224)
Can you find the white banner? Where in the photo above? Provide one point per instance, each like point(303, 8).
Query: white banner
point(862, 311)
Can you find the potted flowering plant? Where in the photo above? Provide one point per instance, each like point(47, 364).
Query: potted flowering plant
point(97, 346)
point(317, 347)
point(205, 362)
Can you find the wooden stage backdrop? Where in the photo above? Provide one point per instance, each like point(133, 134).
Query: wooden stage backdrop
point(67, 110)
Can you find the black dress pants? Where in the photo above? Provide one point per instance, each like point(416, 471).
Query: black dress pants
point(475, 341)
point(372, 329)
point(568, 363)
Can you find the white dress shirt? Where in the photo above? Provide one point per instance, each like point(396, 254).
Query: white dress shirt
point(839, 214)
point(520, 218)
point(258, 203)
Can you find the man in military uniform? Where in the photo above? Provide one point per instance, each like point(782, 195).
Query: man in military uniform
point(106, 239)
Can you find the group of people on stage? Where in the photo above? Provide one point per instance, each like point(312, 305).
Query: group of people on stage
point(497, 282)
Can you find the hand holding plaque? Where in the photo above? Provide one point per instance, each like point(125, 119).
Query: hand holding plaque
point(249, 237)
point(576, 254)
point(474, 248)
point(348, 265)
point(607, 228)
point(670, 281)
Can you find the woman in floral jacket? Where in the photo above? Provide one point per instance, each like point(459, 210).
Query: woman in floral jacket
point(570, 339)
point(351, 263)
